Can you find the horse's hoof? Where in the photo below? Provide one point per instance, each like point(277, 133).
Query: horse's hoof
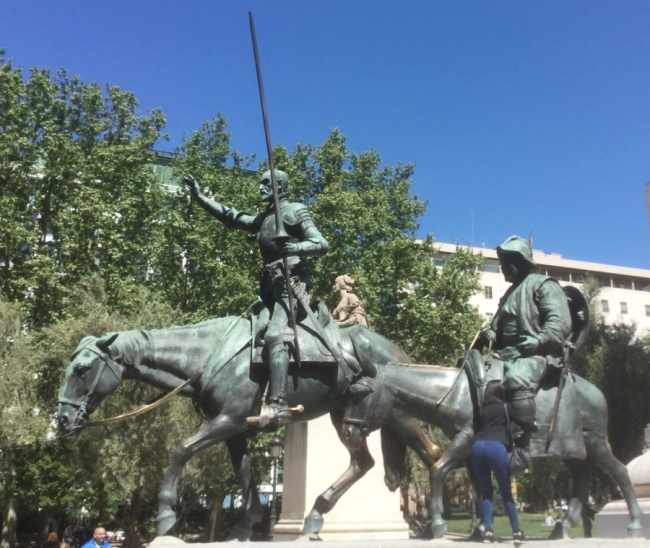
point(560, 531)
point(313, 524)
point(241, 532)
point(165, 522)
point(439, 530)
point(635, 529)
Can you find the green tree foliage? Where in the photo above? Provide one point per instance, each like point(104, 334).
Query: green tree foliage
point(76, 194)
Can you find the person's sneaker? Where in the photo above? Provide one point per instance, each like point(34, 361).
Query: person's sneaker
point(489, 536)
point(518, 536)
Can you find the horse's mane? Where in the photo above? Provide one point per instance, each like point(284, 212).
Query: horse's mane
point(130, 342)
point(210, 323)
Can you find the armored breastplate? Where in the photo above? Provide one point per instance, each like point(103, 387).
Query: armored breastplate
point(265, 236)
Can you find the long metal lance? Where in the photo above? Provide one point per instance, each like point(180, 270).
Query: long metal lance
point(279, 227)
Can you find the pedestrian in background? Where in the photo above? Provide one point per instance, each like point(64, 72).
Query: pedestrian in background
point(99, 539)
point(52, 541)
point(490, 454)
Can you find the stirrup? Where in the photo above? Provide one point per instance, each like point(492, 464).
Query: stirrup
point(274, 414)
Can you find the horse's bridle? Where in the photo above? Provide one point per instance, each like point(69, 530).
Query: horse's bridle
point(81, 405)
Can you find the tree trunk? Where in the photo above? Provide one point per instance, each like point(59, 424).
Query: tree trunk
point(216, 518)
point(133, 538)
point(9, 526)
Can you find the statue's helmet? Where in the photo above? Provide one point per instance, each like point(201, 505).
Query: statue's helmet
point(281, 178)
point(516, 245)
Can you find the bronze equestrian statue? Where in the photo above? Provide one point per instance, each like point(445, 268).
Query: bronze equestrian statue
point(228, 395)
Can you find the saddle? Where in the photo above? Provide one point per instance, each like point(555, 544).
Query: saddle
point(313, 347)
point(559, 423)
point(245, 334)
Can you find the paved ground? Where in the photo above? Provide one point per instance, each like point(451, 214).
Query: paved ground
point(170, 542)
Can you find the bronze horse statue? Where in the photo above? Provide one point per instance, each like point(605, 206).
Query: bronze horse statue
point(215, 357)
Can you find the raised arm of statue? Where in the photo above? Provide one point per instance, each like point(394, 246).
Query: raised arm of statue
point(229, 216)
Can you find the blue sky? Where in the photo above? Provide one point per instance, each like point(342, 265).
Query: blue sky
point(520, 117)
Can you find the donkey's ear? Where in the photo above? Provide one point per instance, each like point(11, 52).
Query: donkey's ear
point(104, 343)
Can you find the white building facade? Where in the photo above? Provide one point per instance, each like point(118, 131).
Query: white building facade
point(624, 295)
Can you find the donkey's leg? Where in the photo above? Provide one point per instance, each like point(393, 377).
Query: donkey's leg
point(360, 462)
point(600, 452)
point(454, 456)
point(252, 509)
point(578, 504)
point(412, 434)
point(218, 429)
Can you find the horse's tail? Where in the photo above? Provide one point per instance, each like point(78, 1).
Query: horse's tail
point(394, 452)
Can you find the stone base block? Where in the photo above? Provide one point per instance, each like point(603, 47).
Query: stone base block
point(170, 542)
point(286, 530)
point(613, 519)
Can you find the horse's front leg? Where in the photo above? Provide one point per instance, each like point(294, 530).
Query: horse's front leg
point(453, 457)
point(252, 509)
point(355, 441)
point(218, 429)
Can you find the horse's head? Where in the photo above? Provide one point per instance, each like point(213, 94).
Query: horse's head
point(91, 375)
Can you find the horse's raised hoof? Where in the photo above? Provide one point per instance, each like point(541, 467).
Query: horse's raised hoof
point(635, 529)
point(165, 522)
point(439, 529)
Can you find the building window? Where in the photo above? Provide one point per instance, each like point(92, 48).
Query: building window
point(560, 274)
point(622, 283)
point(490, 265)
point(623, 307)
point(578, 277)
point(487, 292)
point(604, 306)
point(439, 259)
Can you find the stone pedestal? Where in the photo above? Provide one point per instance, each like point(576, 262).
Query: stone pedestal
point(612, 520)
point(314, 458)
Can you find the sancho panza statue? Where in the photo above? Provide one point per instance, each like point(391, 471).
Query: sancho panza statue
point(304, 240)
point(529, 330)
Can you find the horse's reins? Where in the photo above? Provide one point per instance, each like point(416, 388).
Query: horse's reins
point(143, 408)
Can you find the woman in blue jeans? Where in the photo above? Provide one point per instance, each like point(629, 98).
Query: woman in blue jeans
point(490, 454)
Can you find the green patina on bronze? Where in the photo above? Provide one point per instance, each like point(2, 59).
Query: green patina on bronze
point(302, 240)
point(530, 329)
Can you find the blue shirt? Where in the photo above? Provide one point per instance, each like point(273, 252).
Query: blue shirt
point(92, 543)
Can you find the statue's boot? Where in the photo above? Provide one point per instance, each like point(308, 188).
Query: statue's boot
point(277, 411)
point(523, 418)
